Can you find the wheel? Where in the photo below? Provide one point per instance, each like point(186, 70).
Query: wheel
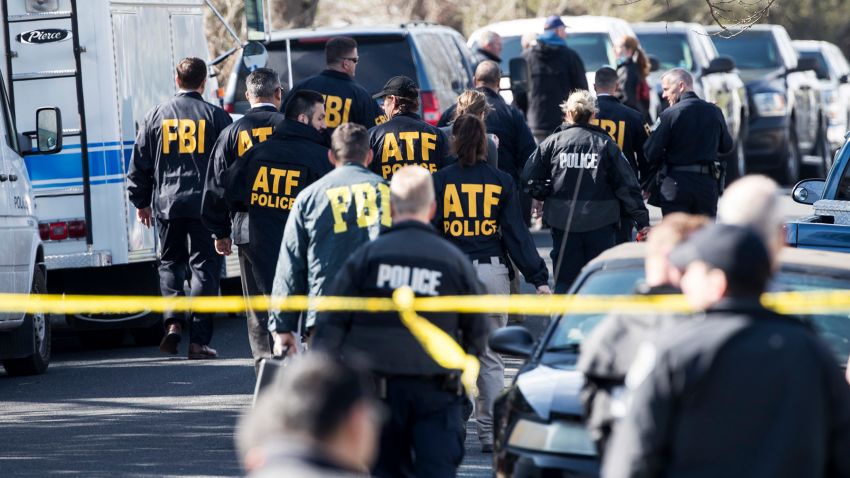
point(789, 172)
point(38, 362)
point(148, 336)
point(102, 339)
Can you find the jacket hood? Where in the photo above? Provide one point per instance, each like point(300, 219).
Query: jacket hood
point(552, 391)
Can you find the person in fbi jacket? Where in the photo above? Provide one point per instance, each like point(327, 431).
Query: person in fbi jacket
point(165, 184)
point(424, 434)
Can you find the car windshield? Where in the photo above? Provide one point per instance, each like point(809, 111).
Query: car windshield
point(595, 50)
point(751, 50)
point(822, 70)
point(833, 328)
point(381, 58)
point(671, 50)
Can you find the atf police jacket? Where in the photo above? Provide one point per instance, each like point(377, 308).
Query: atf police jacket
point(584, 156)
point(256, 126)
point(721, 394)
point(627, 128)
point(554, 71)
point(171, 154)
point(478, 209)
point(516, 143)
point(409, 254)
point(406, 140)
point(692, 131)
point(345, 100)
point(330, 219)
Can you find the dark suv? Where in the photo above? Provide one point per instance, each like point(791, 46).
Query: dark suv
point(435, 56)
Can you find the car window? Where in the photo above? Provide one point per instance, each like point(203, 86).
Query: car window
point(751, 50)
point(671, 50)
point(457, 71)
point(8, 122)
point(595, 49)
point(822, 69)
point(844, 185)
point(437, 61)
point(511, 48)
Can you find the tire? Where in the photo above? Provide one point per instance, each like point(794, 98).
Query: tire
point(38, 362)
point(789, 172)
point(148, 336)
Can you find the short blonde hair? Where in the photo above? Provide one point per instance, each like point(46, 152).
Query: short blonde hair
point(411, 190)
point(472, 102)
point(581, 105)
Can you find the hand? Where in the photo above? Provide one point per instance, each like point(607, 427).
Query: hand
point(284, 341)
point(544, 290)
point(144, 216)
point(536, 208)
point(224, 246)
point(641, 235)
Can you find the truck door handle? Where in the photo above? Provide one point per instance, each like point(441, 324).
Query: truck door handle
point(3, 178)
point(13, 177)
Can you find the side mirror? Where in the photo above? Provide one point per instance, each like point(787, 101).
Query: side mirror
point(721, 64)
point(519, 75)
point(254, 55)
point(514, 340)
point(808, 191)
point(806, 64)
point(48, 130)
point(845, 78)
point(654, 64)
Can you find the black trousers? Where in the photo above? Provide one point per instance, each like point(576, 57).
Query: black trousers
point(581, 248)
point(258, 320)
point(186, 246)
point(625, 228)
point(424, 436)
point(691, 193)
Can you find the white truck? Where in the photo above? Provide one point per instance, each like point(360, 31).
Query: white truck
point(104, 63)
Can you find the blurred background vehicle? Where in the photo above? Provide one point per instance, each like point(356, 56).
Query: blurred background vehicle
point(833, 72)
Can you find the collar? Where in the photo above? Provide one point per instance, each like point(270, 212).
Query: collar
point(263, 107)
point(291, 128)
point(738, 304)
point(590, 127)
point(551, 38)
point(336, 74)
point(411, 224)
point(408, 115)
point(190, 94)
point(689, 95)
point(607, 97)
point(489, 93)
point(490, 56)
point(663, 289)
point(356, 166)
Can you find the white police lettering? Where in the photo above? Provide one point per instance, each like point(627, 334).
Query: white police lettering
point(422, 281)
point(578, 160)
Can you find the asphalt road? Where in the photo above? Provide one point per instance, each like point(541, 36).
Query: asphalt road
point(131, 412)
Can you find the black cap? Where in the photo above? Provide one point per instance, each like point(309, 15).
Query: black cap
point(736, 250)
point(400, 86)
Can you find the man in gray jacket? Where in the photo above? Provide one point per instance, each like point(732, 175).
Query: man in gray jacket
point(330, 219)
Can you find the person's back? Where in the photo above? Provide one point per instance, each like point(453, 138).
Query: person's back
point(404, 140)
point(626, 127)
point(696, 130)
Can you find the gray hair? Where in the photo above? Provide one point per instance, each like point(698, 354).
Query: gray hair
point(411, 190)
point(581, 105)
point(754, 201)
point(488, 37)
point(262, 83)
point(680, 75)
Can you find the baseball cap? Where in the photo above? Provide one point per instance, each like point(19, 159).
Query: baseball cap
point(553, 21)
point(736, 250)
point(400, 86)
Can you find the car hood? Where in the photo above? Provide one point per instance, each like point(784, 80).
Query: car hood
point(552, 391)
point(759, 75)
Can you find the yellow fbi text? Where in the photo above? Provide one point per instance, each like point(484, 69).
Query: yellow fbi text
point(337, 110)
point(461, 211)
point(615, 129)
point(245, 142)
point(402, 149)
point(364, 198)
point(188, 134)
point(273, 187)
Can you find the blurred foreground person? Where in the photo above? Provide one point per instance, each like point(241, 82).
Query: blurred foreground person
point(755, 201)
point(319, 419)
point(740, 392)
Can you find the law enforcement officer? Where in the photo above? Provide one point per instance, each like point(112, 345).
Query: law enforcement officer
point(329, 220)
point(489, 48)
point(405, 139)
point(423, 437)
point(554, 71)
point(625, 126)
point(345, 99)
point(473, 103)
point(478, 211)
point(585, 180)
point(684, 148)
point(166, 180)
point(731, 394)
point(228, 227)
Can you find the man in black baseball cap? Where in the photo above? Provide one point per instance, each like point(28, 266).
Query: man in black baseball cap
point(732, 392)
point(405, 139)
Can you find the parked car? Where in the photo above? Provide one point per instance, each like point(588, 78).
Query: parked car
point(687, 45)
point(435, 56)
point(833, 72)
point(787, 127)
point(828, 227)
point(538, 421)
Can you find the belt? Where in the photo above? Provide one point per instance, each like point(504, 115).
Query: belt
point(489, 260)
point(690, 168)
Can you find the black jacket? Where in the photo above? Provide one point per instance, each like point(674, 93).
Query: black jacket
point(266, 183)
point(480, 55)
point(256, 126)
point(406, 140)
point(554, 71)
point(345, 100)
point(692, 131)
point(627, 128)
point(737, 392)
point(587, 156)
point(413, 254)
point(480, 218)
point(171, 155)
point(629, 80)
point(516, 143)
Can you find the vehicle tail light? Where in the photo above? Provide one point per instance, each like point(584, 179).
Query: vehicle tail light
point(76, 229)
point(58, 231)
point(44, 231)
point(430, 108)
point(228, 107)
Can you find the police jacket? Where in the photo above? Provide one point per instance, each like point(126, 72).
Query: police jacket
point(404, 140)
point(408, 254)
point(516, 143)
point(171, 154)
point(586, 155)
point(256, 126)
point(330, 219)
point(345, 100)
point(477, 209)
point(739, 391)
point(690, 132)
point(627, 128)
point(267, 181)
point(554, 70)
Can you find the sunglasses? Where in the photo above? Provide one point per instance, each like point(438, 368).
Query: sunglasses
point(353, 60)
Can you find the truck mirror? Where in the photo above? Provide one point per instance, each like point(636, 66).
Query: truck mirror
point(254, 55)
point(654, 64)
point(806, 64)
point(48, 125)
point(808, 191)
point(519, 75)
point(721, 64)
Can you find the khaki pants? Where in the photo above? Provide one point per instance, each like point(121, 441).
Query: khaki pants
point(491, 378)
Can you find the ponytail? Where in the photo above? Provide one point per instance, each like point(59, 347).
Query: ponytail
point(469, 140)
point(641, 59)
